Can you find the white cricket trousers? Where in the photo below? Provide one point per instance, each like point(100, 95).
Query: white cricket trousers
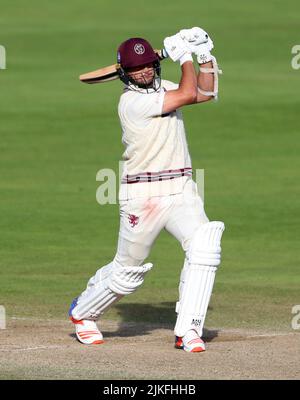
point(142, 219)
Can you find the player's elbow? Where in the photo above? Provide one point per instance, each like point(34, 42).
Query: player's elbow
point(190, 97)
point(194, 98)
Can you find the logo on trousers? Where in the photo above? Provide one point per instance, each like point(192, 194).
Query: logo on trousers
point(133, 220)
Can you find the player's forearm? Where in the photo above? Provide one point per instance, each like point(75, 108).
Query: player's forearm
point(188, 82)
point(205, 81)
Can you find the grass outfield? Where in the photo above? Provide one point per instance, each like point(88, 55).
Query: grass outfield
point(57, 133)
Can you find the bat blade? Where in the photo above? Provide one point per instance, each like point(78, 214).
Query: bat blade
point(110, 73)
point(101, 75)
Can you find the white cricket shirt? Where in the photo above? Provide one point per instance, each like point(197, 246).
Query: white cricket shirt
point(155, 145)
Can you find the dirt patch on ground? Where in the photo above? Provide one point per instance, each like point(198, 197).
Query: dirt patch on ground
point(39, 349)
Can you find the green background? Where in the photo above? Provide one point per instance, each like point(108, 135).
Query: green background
point(56, 133)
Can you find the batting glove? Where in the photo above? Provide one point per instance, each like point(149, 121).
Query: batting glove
point(199, 43)
point(202, 52)
point(177, 49)
point(194, 35)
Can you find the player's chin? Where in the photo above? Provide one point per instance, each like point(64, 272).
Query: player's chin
point(148, 79)
point(144, 82)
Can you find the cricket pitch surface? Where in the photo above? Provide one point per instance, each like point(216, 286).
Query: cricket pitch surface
point(48, 349)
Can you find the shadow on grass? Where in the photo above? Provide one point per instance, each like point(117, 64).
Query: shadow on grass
point(141, 319)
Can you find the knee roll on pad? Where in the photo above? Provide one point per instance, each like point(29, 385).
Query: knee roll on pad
point(126, 280)
point(205, 247)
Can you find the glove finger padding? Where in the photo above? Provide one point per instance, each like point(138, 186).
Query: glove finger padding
point(194, 35)
point(195, 48)
point(202, 51)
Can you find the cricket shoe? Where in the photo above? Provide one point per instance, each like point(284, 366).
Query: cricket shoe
point(178, 342)
point(190, 342)
point(87, 331)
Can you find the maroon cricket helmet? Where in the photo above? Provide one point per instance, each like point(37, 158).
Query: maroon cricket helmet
point(135, 52)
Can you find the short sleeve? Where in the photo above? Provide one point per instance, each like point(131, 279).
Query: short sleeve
point(144, 106)
point(168, 85)
point(139, 108)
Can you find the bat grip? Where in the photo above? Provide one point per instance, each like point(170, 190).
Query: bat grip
point(162, 54)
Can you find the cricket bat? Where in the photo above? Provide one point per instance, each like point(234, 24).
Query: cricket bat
point(110, 73)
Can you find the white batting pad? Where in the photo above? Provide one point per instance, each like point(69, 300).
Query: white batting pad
point(182, 279)
point(113, 284)
point(198, 278)
point(196, 294)
point(205, 248)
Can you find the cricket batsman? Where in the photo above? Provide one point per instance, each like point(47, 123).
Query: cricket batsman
point(157, 190)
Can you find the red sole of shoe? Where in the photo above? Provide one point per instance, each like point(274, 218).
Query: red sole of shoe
point(197, 350)
point(95, 342)
point(98, 342)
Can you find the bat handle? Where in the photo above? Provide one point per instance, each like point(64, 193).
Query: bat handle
point(162, 54)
